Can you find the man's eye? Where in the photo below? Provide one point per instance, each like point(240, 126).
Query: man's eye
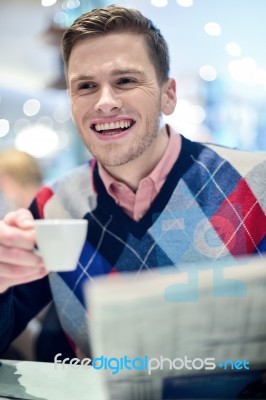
point(124, 81)
point(86, 85)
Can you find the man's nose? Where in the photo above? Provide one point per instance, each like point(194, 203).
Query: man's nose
point(107, 100)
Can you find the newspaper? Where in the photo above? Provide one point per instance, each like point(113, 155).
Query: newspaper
point(202, 321)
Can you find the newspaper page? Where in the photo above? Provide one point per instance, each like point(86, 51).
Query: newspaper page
point(165, 323)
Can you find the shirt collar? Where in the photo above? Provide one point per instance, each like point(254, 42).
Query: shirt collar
point(161, 170)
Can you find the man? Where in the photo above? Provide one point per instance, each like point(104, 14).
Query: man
point(161, 199)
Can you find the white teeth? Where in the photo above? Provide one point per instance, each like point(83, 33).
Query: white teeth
point(113, 125)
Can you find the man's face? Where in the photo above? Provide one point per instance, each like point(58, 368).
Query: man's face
point(116, 98)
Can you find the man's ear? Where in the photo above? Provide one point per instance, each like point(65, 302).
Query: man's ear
point(168, 100)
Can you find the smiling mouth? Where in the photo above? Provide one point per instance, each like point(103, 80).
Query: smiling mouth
point(113, 128)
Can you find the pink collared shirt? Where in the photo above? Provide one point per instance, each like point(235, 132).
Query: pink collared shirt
point(136, 204)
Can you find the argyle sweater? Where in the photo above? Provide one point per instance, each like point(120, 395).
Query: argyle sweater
point(211, 207)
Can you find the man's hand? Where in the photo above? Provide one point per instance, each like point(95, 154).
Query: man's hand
point(18, 262)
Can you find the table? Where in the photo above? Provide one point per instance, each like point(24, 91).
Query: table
point(26, 380)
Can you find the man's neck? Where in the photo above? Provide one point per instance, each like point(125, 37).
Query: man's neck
point(134, 171)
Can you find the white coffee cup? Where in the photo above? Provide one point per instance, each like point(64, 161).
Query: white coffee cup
point(60, 242)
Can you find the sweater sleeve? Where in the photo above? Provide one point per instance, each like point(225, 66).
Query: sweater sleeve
point(18, 306)
point(21, 303)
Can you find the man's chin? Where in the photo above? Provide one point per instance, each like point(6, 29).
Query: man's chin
point(114, 161)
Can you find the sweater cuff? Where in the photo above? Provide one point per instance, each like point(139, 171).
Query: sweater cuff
point(5, 304)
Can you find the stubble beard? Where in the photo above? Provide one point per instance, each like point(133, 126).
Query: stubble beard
point(109, 155)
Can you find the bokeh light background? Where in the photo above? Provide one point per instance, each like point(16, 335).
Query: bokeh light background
point(217, 56)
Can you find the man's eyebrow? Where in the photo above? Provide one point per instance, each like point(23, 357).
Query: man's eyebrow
point(81, 78)
point(125, 71)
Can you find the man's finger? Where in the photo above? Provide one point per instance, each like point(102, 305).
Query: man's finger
point(21, 218)
point(16, 256)
point(11, 236)
point(18, 272)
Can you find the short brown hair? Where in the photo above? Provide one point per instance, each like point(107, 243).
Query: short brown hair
point(113, 19)
point(21, 167)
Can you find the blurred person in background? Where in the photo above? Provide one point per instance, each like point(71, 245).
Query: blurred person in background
point(20, 179)
point(152, 197)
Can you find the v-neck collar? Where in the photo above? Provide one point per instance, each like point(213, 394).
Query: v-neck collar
point(107, 206)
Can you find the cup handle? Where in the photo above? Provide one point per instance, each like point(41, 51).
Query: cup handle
point(37, 252)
